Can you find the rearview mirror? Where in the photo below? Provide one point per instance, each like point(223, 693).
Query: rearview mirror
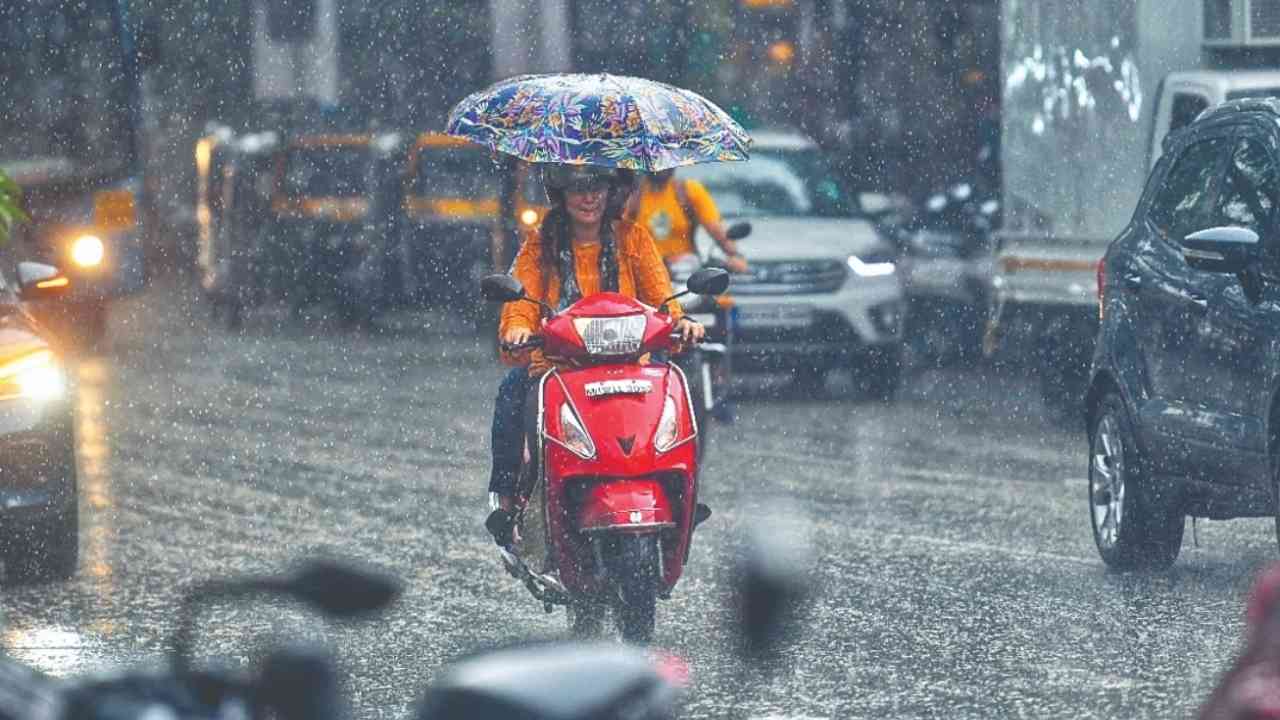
point(501, 288)
point(553, 680)
point(37, 280)
point(341, 590)
point(1226, 249)
point(738, 230)
point(709, 281)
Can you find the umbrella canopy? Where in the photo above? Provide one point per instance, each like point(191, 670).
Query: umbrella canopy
point(606, 120)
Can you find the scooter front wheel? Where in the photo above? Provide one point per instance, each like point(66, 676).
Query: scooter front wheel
point(586, 618)
point(633, 561)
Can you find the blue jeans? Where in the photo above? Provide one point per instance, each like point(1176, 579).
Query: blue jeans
point(508, 430)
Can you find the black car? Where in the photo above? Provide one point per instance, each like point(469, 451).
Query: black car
point(1182, 409)
point(39, 516)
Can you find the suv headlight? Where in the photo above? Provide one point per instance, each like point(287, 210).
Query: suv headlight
point(872, 266)
point(611, 336)
point(36, 376)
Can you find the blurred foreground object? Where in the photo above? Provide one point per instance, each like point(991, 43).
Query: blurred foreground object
point(772, 584)
point(1251, 688)
point(559, 681)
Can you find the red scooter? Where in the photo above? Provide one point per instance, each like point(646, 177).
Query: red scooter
point(607, 498)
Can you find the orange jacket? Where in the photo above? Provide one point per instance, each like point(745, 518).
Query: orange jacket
point(641, 275)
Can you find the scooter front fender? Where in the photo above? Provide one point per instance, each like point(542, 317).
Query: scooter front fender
point(626, 505)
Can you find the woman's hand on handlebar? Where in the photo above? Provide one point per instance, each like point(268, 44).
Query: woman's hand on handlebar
point(517, 336)
point(519, 340)
point(691, 332)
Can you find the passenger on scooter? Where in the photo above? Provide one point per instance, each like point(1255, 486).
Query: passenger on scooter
point(582, 247)
point(672, 210)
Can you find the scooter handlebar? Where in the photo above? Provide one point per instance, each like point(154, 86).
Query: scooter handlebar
point(532, 343)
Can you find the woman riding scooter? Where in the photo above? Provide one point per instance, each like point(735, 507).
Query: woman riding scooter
point(582, 247)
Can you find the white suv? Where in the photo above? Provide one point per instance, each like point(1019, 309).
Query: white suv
point(823, 290)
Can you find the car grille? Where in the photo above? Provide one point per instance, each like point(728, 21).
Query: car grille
point(790, 277)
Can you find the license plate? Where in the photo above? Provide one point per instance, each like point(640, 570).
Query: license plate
point(777, 316)
point(618, 387)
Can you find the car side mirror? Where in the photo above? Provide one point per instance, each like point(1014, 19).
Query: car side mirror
point(501, 288)
point(1226, 249)
point(738, 230)
point(709, 281)
point(37, 280)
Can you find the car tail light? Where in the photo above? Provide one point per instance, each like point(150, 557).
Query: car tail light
point(1102, 288)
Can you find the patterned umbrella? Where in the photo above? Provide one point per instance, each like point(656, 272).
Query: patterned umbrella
point(606, 120)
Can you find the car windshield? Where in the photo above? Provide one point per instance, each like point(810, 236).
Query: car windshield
point(775, 182)
point(326, 171)
point(456, 172)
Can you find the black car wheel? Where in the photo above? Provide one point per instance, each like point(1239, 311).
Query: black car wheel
point(877, 375)
point(48, 550)
point(1136, 523)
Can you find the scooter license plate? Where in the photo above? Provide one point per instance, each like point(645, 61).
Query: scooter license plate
point(775, 316)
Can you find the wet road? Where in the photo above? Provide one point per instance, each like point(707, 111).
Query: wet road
point(953, 569)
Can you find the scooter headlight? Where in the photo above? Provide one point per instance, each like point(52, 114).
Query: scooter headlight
point(668, 429)
point(611, 336)
point(35, 376)
point(573, 436)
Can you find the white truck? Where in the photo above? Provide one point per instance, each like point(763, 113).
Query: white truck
point(1090, 90)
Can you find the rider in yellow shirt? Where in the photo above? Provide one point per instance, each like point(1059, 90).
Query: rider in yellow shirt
point(671, 210)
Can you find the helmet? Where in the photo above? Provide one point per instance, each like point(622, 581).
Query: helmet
point(580, 178)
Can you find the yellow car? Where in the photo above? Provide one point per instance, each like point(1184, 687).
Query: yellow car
point(451, 206)
point(331, 210)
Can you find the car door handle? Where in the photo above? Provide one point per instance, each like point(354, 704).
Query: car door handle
point(1131, 280)
point(1197, 298)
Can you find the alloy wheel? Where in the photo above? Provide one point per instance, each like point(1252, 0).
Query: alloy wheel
point(1107, 481)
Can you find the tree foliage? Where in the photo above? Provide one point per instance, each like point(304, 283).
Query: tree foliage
point(11, 211)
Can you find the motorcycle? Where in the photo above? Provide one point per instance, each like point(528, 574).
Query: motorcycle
point(947, 262)
point(607, 496)
point(708, 365)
